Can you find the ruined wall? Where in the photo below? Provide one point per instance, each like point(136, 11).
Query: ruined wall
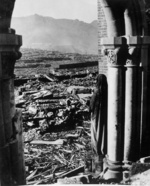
point(102, 32)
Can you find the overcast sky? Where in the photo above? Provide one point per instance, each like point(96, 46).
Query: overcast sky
point(84, 10)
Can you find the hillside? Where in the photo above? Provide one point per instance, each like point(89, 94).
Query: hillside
point(63, 35)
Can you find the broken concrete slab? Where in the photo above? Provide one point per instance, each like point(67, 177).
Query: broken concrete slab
point(41, 142)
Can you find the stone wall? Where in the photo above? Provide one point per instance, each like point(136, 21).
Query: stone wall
point(102, 32)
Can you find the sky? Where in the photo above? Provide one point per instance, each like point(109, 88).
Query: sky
point(84, 10)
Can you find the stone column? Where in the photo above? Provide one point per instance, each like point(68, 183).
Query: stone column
point(131, 129)
point(11, 172)
point(145, 103)
point(9, 53)
point(116, 51)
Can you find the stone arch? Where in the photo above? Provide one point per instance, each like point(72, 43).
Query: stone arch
point(123, 17)
point(113, 11)
point(6, 10)
point(126, 48)
point(142, 20)
point(129, 21)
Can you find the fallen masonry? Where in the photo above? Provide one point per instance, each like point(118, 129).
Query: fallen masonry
point(57, 136)
point(56, 127)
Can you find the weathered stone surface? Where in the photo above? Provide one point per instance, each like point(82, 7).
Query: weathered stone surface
point(82, 179)
point(6, 9)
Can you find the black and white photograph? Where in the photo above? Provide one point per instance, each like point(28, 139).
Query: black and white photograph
point(74, 92)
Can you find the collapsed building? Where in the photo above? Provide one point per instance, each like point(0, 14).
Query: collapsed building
point(123, 56)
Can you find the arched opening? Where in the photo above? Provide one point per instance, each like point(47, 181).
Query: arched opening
point(45, 116)
point(121, 42)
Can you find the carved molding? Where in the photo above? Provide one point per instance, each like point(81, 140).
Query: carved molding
point(112, 57)
point(116, 56)
point(8, 61)
point(134, 56)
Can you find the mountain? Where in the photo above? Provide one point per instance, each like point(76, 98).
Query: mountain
point(63, 35)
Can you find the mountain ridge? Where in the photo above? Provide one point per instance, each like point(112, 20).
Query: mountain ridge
point(64, 35)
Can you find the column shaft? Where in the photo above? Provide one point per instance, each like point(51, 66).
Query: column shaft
point(10, 168)
point(116, 51)
point(145, 103)
point(132, 106)
point(6, 110)
point(114, 113)
point(130, 113)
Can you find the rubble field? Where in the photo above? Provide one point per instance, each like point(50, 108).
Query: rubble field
point(56, 128)
point(56, 125)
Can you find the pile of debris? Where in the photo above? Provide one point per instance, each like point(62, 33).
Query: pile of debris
point(56, 131)
point(52, 156)
point(49, 105)
point(56, 123)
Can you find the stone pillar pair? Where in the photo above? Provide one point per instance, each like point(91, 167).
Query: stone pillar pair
point(123, 65)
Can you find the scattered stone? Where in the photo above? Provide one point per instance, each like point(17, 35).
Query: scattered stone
point(41, 142)
point(82, 179)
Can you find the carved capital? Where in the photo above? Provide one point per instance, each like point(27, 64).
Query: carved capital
point(8, 61)
point(116, 56)
point(134, 54)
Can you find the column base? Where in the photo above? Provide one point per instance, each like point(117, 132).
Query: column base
point(114, 170)
point(113, 175)
point(126, 170)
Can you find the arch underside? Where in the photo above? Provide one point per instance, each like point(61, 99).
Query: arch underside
point(125, 17)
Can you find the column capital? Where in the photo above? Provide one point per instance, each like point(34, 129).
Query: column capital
point(112, 42)
point(134, 56)
point(122, 50)
point(115, 56)
point(115, 49)
point(125, 40)
point(7, 40)
point(146, 40)
point(134, 40)
point(9, 53)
